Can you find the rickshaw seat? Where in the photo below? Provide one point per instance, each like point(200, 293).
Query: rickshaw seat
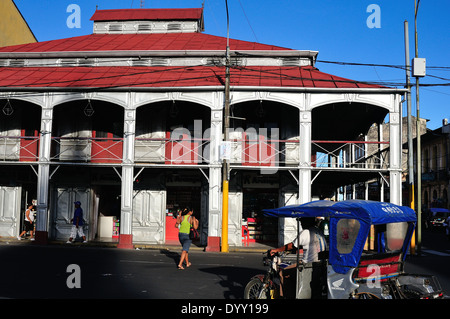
point(389, 265)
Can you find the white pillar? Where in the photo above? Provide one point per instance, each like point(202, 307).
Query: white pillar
point(44, 174)
point(215, 182)
point(395, 159)
point(126, 209)
point(304, 192)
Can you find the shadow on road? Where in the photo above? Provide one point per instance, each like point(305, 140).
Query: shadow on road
point(234, 279)
point(172, 255)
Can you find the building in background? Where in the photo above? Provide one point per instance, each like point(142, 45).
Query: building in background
point(436, 168)
point(13, 27)
point(129, 120)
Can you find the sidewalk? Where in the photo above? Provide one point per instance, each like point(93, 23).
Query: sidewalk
point(111, 243)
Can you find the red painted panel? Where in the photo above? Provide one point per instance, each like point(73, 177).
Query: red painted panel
point(182, 152)
point(29, 147)
point(106, 150)
point(258, 153)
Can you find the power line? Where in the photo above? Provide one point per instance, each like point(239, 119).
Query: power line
point(248, 21)
point(257, 73)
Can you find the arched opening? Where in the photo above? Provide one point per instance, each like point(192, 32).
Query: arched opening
point(264, 133)
point(20, 123)
point(87, 140)
point(172, 132)
point(171, 145)
point(264, 138)
point(88, 131)
point(348, 145)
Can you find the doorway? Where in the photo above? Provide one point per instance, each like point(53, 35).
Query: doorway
point(109, 198)
point(177, 199)
point(260, 228)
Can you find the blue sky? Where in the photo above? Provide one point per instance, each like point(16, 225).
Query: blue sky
point(337, 29)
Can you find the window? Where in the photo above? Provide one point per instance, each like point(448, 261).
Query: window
point(395, 235)
point(346, 233)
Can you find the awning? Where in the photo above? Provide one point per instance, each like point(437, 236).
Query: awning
point(371, 212)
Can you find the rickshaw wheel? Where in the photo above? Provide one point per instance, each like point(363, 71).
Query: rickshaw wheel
point(253, 290)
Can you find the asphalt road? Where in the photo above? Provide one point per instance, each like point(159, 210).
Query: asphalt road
point(82, 271)
point(432, 258)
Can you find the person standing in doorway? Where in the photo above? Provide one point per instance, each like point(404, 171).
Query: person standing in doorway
point(185, 221)
point(28, 223)
point(77, 224)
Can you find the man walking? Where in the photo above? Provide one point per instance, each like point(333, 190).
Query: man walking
point(77, 224)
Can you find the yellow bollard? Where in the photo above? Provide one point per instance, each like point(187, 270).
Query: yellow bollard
point(224, 247)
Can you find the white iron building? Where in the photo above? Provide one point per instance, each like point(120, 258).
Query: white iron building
point(129, 121)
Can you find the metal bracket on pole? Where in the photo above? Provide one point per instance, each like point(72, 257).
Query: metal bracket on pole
point(296, 179)
point(53, 173)
point(117, 172)
point(204, 174)
point(139, 173)
point(34, 170)
point(384, 179)
point(317, 175)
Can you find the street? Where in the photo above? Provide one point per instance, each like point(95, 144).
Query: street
point(434, 258)
point(89, 272)
point(31, 271)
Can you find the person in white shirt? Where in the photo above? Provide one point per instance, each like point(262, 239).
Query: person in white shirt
point(28, 223)
point(311, 239)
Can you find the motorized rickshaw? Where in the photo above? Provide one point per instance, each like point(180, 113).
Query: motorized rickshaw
point(367, 246)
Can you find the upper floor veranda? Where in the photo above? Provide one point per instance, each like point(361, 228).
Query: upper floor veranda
point(318, 130)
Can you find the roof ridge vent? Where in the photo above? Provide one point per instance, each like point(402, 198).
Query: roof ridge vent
point(68, 62)
point(140, 62)
point(159, 62)
point(174, 26)
point(115, 27)
point(144, 27)
point(290, 61)
point(17, 63)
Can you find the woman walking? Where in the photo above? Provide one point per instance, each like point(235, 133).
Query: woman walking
point(184, 222)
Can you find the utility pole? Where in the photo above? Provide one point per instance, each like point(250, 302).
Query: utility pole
point(410, 139)
point(419, 149)
point(226, 165)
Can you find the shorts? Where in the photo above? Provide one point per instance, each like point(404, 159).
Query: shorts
point(185, 241)
point(28, 226)
point(75, 230)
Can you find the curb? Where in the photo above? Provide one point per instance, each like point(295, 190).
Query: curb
point(136, 246)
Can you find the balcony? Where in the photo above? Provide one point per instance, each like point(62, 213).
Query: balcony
point(87, 149)
point(174, 149)
point(350, 154)
point(20, 148)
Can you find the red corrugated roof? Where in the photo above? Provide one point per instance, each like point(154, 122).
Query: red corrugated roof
point(132, 42)
point(110, 77)
point(147, 14)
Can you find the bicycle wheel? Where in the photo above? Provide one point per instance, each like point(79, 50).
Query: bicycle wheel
point(255, 290)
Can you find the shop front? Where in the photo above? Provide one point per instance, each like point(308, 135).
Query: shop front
point(251, 192)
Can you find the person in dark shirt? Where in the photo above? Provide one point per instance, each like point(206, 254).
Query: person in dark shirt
point(77, 224)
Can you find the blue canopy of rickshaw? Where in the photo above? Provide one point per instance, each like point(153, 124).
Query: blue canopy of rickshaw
point(367, 212)
point(439, 210)
point(370, 212)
